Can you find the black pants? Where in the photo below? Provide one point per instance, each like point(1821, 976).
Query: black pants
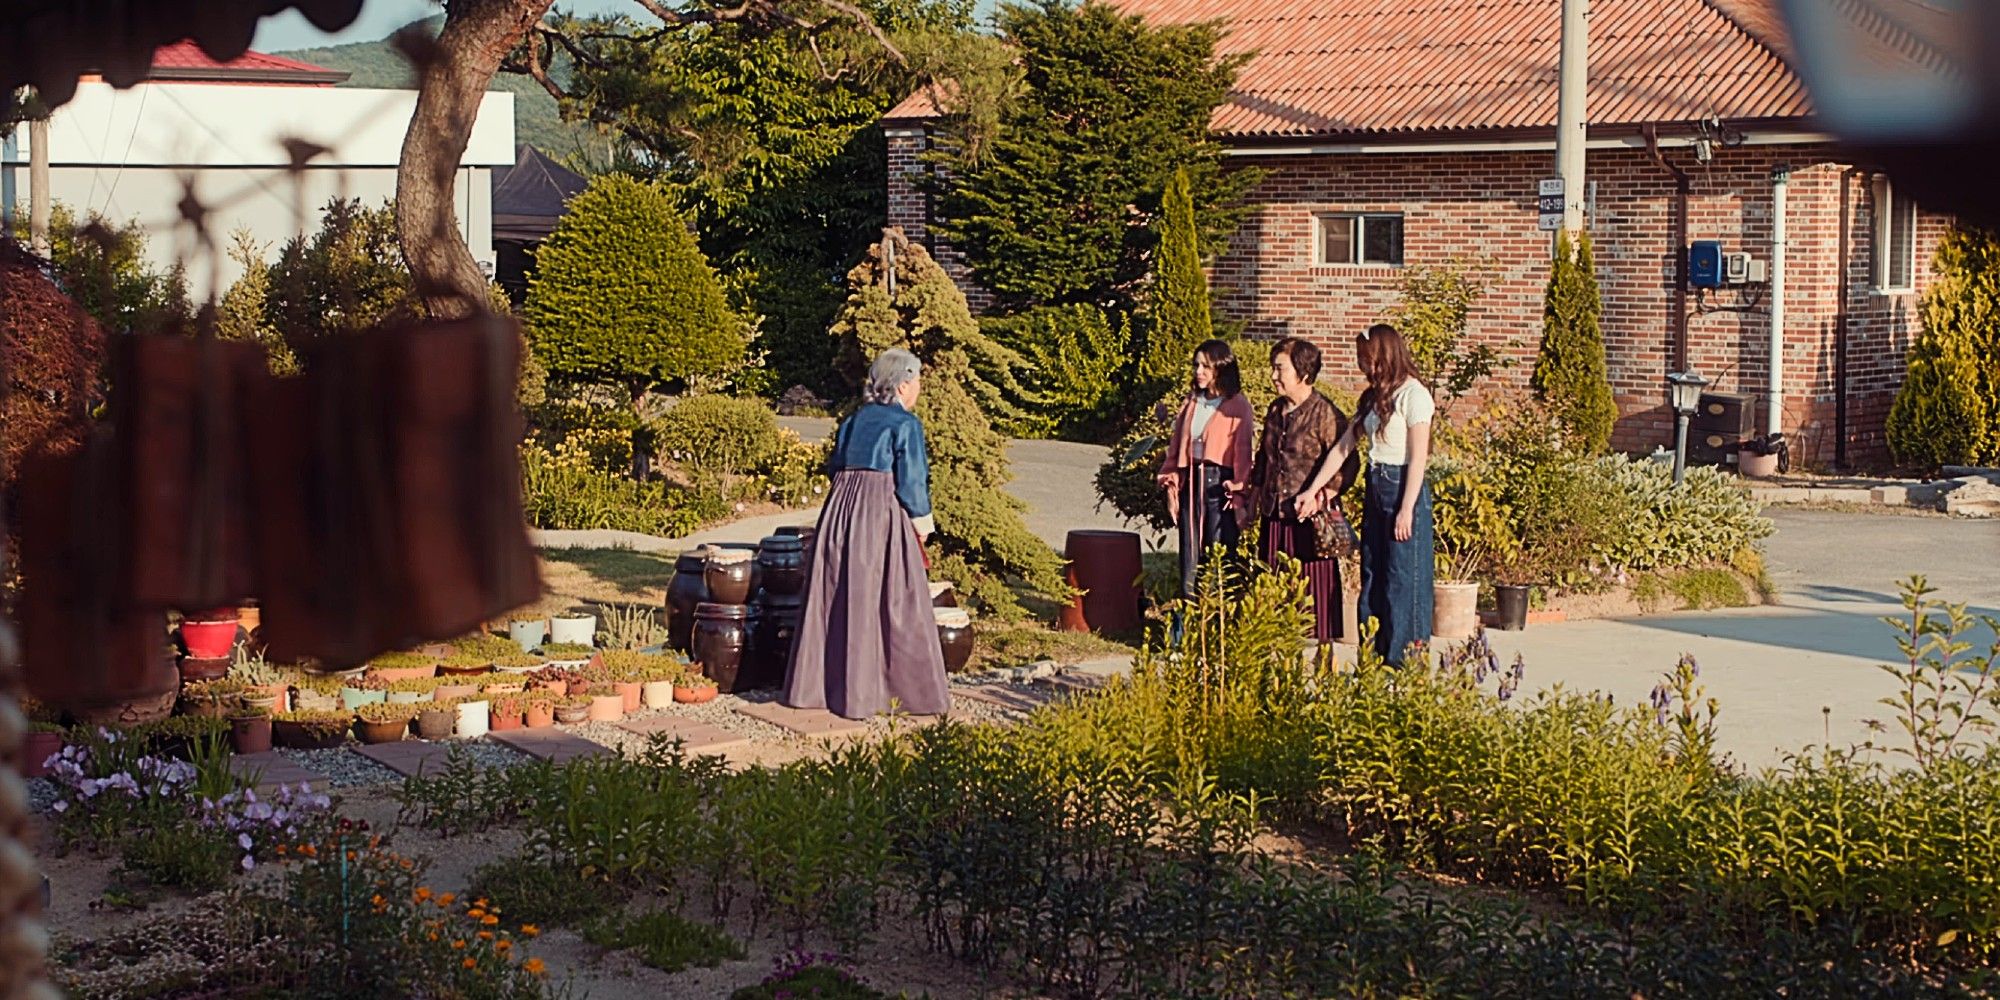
point(1204, 520)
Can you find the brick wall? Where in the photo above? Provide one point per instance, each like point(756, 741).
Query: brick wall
point(910, 208)
point(1464, 205)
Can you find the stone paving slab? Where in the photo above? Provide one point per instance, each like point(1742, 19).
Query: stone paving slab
point(407, 757)
point(803, 721)
point(274, 769)
point(696, 736)
point(1002, 696)
point(549, 744)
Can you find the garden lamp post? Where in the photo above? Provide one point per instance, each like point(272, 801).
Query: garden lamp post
point(1684, 393)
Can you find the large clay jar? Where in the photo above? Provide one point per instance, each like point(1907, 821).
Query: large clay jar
point(955, 635)
point(721, 632)
point(688, 589)
point(771, 645)
point(729, 576)
point(783, 561)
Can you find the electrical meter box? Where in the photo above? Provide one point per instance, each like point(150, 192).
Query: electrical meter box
point(1705, 264)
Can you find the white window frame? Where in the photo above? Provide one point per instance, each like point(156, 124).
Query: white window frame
point(1883, 258)
point(1357, 239)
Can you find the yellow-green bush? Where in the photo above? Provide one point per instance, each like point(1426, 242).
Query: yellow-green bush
point(1948, 410)
point(720, 435)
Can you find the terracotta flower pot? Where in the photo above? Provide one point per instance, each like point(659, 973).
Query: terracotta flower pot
point(656, 694)
point(607, 707)
point(381, 732)
point(394, 674)
point(514, 688)
point(36, 749)
point(250, 733)
point(1454, 609)
point(297, 737)
point(446, 692)
point(695, 695)
point(557, 688)
point(209, 639)
point(540, 716)
point(437, 723)
point(473, 670)
point(504, 721)
point(281, 695)
point(570, 715)
point(630, 691)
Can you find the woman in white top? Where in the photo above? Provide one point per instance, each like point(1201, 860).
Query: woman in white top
point(1396, 541)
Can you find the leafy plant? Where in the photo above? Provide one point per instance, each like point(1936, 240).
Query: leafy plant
point(253, 670)
point(819, 977)
point(720, 435)
point(319, 724)
point(348, 277)
point(1434, 311)
point(1947, 411)
point(534, 891)
point(665, 940)
point(1178, 310)
point(1944, 694)
point(567, 650)
point(1076, 359)
point(1570, 372)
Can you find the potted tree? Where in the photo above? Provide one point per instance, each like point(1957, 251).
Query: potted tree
point(250, 729)
point(384, 722)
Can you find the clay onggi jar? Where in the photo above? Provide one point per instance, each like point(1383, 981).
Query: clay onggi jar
point(721, 634)
point(730, 575)
point(688, 589)
point(954, 627)
point(783, 561)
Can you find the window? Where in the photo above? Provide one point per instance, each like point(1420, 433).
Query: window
point(1893, 267)
point(1352, 238)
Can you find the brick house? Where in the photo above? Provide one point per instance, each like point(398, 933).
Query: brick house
point(1415, 134)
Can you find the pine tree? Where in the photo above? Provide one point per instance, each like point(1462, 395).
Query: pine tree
point(978, 524)
point(1948, 409)
point(623, 296)
point(241, 314)
point(1570, 371)
point(1180, 315)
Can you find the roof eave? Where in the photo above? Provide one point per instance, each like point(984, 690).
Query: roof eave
point(199, 74)
point(1242, 144)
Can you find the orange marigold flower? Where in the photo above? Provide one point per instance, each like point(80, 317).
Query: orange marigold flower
point(485, 935)
point(475, 913)
point(480, 902)
point(433, 935)
point(470, 962)
point(447, 899)
point(378, 900)
point(458, 945)
point(535, 966)
point(423, 893)
point(530, 930)
point(489, 920)
point(281, 850)
point(375, 842)
point(502, 946)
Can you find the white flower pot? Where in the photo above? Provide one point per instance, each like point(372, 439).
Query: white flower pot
point(473, 718)
point(578, 629)
point(527, 634)
point(1454, 610)
point(657, 694)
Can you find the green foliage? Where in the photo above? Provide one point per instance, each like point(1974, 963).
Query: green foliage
point(1703, 522)
point(666, 941)
point(800, 978)
point(622, 295)
point(562, 490)
point(1060, 205)
point(1948, 409)
point(104, 270)
point(534, 891)
point(1692, 589)
point(1179, 312)
point(1570, 372)
point(242, 312)
point(349, 277)
point(976, 519)
point(1433, 312)
point(1946, 697)
point(180, 855)
point(1126, 479)
point(1077, 358)
point(721, 435)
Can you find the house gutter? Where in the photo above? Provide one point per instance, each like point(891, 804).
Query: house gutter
point(1677, 318)
point(1774, 416)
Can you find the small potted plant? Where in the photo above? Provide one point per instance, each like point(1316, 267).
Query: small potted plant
point(540, 710)
point(384, 722)
point(1512, 577)
point(363, 690)
point(573, 629)
point(474, 715)
point(691, 688)
point(554, 680)
point(310, 730)
point(573, 710)
point(656, 683)
point(453, 687)
point(464, 664)
point(411, 690)
point(629, 671)
point(208, 634)
point(263, 684)
point(45, 739)
point(568, 654)
point(436, 720)
point(315, 692)
point(250, 729)
point(519, 663)
point(1455, 592)
point(396, 666)
point(528, 633)
point(608, 706)
point(506, 713)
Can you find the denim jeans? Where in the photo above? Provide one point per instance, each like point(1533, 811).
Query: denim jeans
point(1204, 520)
point(1395, 576)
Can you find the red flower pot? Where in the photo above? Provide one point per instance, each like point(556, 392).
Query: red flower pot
point(208, 640)
point(36, 749)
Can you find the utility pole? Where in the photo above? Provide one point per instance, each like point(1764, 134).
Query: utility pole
point(1570, 112)
point(38, 185)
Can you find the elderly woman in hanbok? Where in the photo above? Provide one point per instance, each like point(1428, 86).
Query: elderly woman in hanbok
point(866, 635)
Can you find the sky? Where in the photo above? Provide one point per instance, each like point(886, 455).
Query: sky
point(291, 30)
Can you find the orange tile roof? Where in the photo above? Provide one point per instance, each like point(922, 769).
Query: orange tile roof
point(924, 103)
point(1343, 67)
point(184, 60)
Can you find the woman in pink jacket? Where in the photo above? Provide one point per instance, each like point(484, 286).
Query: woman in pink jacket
point(1210, 446)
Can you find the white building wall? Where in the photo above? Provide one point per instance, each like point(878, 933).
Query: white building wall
point(130, 154)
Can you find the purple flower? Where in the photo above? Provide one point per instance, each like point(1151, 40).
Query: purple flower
point(249, 863)
point(61, 805)
point(243, 841)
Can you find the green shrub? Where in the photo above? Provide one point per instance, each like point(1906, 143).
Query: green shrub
point(799, 978)
point(1178, 297)
point(666, 941)
point(347, 277)
point(1705, 521)
point(721, 435)
point(1948, 409)
point(104, 270)
point(1570, 372)
point(563, 490)
point(622, 296)
point(1077, 360)
point(1432, 313)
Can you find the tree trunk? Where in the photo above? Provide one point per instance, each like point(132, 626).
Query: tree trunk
point(452, 75)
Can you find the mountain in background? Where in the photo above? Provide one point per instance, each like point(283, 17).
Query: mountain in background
point(536, 121)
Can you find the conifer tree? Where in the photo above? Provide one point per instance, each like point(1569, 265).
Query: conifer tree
point(1180, 314)
point(979, 525)
point(1948, 409)
point(1570, 371)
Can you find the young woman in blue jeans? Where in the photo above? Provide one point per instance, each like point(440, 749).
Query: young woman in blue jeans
point(1396, 540)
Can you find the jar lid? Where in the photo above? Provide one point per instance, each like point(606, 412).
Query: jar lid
point(781, 543)
point(696, 555)
point(729, 557)
point(939, 587)
point(796, 530)
point(723, 612)
point(952, 617)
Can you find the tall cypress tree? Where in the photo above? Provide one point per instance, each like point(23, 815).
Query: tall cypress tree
point(1180, 314)
point(1570, 372)
point(1948, 409)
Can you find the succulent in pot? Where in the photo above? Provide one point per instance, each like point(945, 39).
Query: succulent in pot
point(573, 710)
point(539, 711)
point(310, 730)
point(518, 662)
point(507, 712)
point(393, 666)
point(437, 719)
point(384, 722)
point(568, 652)
point(692, 688)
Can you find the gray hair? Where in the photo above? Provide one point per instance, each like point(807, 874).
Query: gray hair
point(891, 369)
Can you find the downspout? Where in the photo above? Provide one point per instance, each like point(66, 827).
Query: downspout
point(1774, 415)
point(1677, 318)
point(1840, 323)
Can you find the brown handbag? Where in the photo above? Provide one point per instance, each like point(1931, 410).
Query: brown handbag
point(1333, 537)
